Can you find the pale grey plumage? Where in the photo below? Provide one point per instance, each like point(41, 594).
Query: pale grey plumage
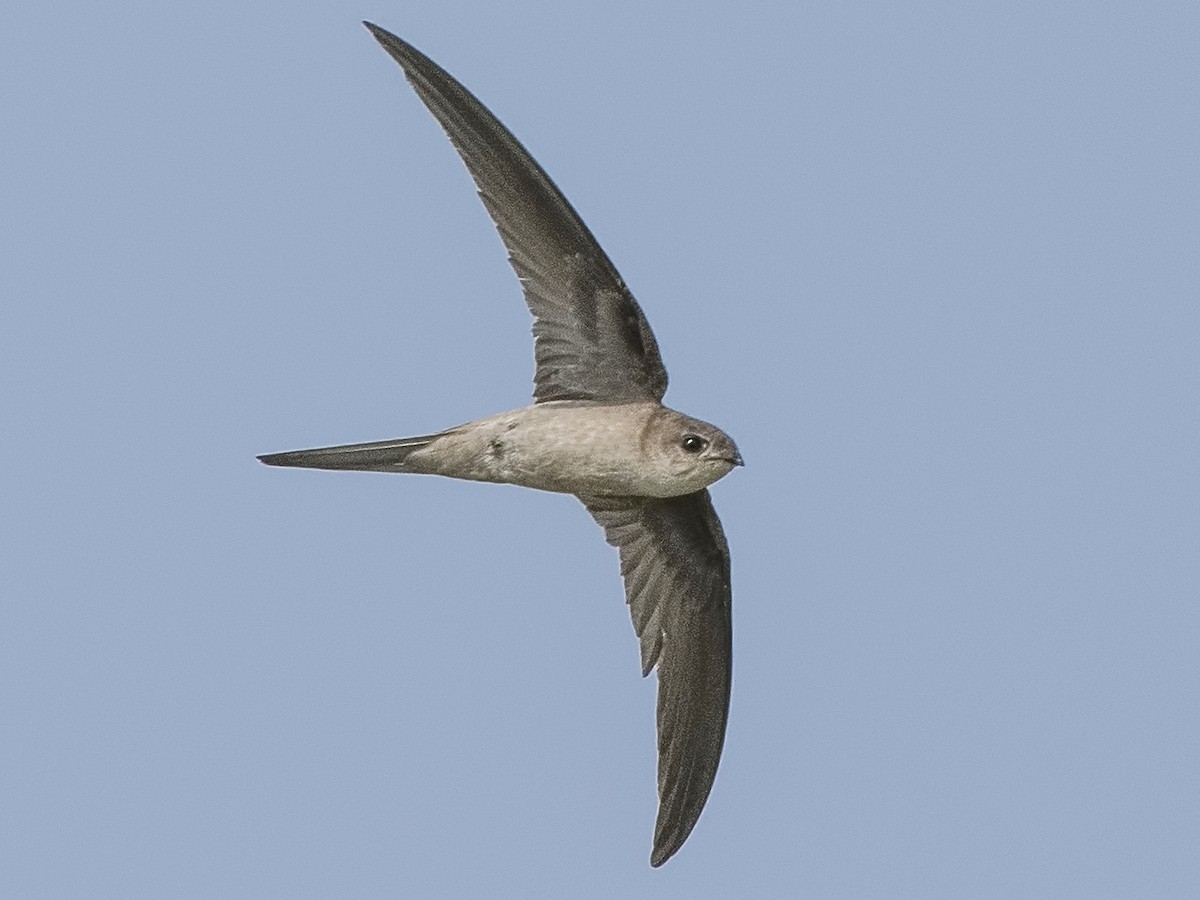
point(598, 430)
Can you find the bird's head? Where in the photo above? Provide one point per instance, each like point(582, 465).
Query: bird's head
point(689, 454)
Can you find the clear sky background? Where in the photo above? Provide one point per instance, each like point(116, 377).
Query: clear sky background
point(936, 267)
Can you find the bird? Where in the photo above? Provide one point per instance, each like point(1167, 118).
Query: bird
point(597, 429)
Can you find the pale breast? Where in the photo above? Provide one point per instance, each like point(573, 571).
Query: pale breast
point(564, 447)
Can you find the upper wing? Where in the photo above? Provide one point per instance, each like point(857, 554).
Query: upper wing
point(591, 340)
point(675, 563)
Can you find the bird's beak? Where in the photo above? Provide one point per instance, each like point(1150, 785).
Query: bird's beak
point(380, 456)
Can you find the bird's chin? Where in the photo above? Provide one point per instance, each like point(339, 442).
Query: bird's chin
point(710, 473)
point(726, 467)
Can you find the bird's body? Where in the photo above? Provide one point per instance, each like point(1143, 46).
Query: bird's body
point(598, 430)
point(568, 446)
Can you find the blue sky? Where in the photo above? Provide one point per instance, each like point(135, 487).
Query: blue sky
point(933, 265)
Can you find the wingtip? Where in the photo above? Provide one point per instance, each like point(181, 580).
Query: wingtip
point(382, 35)
point(400, 50)
point(660, 855)
point(668, 838)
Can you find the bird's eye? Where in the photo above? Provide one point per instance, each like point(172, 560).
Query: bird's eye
point(693, 443)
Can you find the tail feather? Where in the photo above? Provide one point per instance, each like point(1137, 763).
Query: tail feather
point(380, 456)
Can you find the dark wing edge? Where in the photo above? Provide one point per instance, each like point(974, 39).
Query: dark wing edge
point(591, 339)
point(675, 564)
